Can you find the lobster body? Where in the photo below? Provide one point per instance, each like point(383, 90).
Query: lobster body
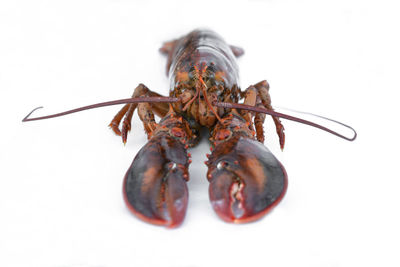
point(246, 180)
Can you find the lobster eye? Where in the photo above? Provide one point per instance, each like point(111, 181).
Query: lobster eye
point(210, 72)
point(192, 73)
point(211, 68)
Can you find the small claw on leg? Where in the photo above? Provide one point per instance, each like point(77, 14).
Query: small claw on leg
point(126, 125)
point(114, 126)
point(124, 135)
point(281, 133)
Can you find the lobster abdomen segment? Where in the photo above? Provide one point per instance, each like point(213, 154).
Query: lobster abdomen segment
point(246, 180)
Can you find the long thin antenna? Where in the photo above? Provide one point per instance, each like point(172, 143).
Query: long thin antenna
point(156, 99)
point(218, 104)
point(288, 117)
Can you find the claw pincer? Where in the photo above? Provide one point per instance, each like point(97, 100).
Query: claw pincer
point(246, 180)
point(155, 187)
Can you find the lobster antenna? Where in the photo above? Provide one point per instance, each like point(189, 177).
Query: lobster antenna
point(292, 118)
point(155, 99)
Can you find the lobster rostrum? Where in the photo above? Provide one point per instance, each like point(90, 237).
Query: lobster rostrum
point(246, 180)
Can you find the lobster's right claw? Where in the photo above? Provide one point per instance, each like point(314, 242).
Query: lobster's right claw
point(246, 180)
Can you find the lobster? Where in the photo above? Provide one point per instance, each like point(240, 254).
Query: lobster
point(245, 179)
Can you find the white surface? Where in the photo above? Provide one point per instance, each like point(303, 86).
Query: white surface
point(61, 179)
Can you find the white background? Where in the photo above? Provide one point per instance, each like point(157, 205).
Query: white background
point(61, 179)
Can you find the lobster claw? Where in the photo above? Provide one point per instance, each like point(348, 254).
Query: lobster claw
point(246, 180)
point(155, 184)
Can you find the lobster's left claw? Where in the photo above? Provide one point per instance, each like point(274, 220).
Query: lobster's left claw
point(246, 180)
point(155, 185)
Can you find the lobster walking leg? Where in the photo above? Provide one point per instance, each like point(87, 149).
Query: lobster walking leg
point(155, 184)
point(146, 115)
point(126, 125)
point(259, 119)
point(161, 109)
point(246, 180)
point(263, 94)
